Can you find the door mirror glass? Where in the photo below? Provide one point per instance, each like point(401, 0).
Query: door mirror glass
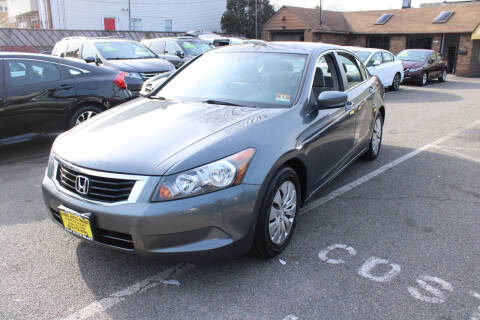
point(376, 63)
point(331, 99)
point(90, 59)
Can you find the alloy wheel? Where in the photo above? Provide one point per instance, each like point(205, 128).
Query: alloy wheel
point(424, 78)
point(444, 75)
point(84, 116)
point(396, 82)
point(282, 213)
point(377, 136)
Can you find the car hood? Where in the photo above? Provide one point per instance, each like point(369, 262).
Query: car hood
point(139, 136)
point(412, 64)
point(141, 65)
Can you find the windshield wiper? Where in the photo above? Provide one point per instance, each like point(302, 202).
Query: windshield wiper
point(225, 103)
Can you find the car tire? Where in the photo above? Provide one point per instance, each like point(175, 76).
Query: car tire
point(424, 79)
point(443, 76)
point(396, 82)
point(375, 140)
point(269, 240)
point(82, 114)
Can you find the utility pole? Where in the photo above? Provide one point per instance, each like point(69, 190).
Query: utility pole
point(321, 1)
point(256, 19)
point(129, 16)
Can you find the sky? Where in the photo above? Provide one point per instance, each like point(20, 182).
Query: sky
point(350, 5)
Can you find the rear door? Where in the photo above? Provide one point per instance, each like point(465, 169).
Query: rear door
point(389, 68)
point(359, 88)
point(378, 70)
point(37, 96)
point(3, 124)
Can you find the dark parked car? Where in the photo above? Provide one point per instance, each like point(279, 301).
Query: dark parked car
point(421, 65)
point(221, 156)
point(43, 94)
point(178, 50)
point(138, 62)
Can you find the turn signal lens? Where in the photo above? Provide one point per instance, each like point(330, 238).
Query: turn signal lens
point(208, 178)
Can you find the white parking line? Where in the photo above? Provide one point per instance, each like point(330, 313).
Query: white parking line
point(156, 280)
point(316, 203)
point(138, 287)
point(458, 154)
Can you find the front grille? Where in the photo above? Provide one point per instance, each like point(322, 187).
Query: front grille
point(100, 188)
point(148, 75)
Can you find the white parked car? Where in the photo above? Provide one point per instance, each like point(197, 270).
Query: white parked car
point(383, 64)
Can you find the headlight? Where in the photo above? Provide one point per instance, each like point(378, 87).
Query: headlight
point(211, 177)
point(134, 75)
point(50, 166)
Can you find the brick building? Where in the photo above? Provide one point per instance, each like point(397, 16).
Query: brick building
point(452, 30)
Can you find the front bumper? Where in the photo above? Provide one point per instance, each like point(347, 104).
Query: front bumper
point(205, 228)
point(412, 76)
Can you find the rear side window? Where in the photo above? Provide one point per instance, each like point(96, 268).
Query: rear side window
point(59, 49)
point(28, 72)
point(73, 49)
point(387, 57)
point(353, 71)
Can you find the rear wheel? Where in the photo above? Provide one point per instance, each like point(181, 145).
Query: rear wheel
point(443, 76)
point(276, 221)
point(424, 79)
point(82, 114)
point(396, 82)
point(376, 140)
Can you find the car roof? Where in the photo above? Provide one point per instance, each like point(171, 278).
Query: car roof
point(426, 50)
point(187, 38)
point(278, 47)
point(365, 49)
point(49, 58)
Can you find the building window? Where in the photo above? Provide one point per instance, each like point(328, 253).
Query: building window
point(419, 42)
point(169, 25)
point(378, 42)
point(137, 24)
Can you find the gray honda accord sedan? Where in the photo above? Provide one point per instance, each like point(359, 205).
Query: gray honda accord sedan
point(220, 157)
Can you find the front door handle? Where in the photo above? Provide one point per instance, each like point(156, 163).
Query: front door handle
point(371, 89)
point(348, 106)
point(65, 86)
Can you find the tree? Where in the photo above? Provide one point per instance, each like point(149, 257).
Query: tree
point(239, 18)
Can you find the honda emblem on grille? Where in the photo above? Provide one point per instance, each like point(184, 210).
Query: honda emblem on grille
point(82, 184)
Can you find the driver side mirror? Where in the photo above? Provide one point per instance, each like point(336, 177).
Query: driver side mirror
point(179, 54)
point(90, 59)
point(376, 63)
point(331, 100)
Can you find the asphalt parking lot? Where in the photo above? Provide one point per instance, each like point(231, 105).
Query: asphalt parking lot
point(397, 238)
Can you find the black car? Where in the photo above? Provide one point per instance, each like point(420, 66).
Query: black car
point(178, 50)
point(43, 94)
point(421, 65)
point(138, 62)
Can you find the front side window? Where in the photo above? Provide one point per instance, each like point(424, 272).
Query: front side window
point(354, 73)
point(28, 72)
point(326, 78)
point(123, 50)
point(242, 78)
point(172, 48)
point(59, 49)
point(376, 57)
point(88, 51)
point(194, 48)
point(363, 55)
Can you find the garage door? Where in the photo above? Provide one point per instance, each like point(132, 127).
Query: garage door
point(475, 62)
point(288, 36)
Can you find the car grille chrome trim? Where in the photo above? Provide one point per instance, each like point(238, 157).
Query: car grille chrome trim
point(106, 189)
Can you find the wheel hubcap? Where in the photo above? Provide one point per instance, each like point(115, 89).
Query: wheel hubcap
point(282, 213)
point(444, 75)
point(377, 136)
point(424, 78)
point(396, 82)
point(84, 116)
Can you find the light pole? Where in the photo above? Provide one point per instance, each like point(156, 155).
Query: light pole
point(129, 17)
point(256, 19)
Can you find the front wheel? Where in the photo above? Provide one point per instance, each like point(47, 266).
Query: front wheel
point(424, 79)
point(276, 221)
point(443, 76)
point(396, 82)
point(376, 140)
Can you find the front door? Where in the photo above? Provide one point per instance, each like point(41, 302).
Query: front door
point(37, 97)
point(332, 130)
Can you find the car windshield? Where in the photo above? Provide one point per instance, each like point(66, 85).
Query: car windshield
point(241, 78)
point(194, 48)
point(120, 50)
point(413, 55)
point(363, 55)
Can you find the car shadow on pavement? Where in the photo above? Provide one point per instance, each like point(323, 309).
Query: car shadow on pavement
point(422, 95)
point(33, 149)
point(410, 199)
